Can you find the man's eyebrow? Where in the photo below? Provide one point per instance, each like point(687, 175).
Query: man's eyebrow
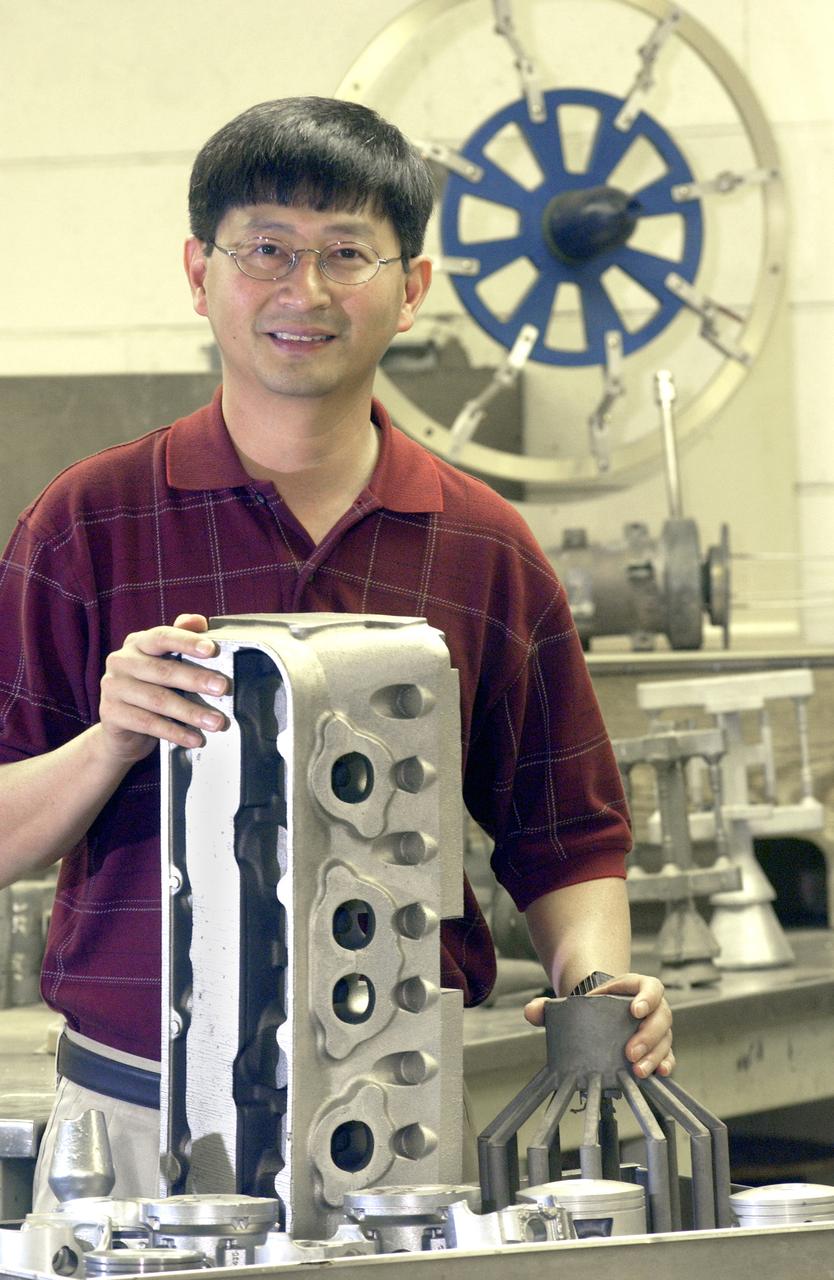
point(353, 227)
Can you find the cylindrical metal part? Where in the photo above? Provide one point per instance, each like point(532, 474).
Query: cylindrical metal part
point(211, 1224)
point(782, 1203)
point(598, 1206)
point(407, 1219)
point(587, 1034)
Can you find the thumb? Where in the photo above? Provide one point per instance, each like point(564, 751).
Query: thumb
point(191, 622)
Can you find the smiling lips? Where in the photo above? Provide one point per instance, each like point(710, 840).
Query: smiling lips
point(281, 335)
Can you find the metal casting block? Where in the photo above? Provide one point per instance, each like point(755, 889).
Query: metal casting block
point(310, 853)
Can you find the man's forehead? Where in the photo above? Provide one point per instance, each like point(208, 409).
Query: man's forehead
point(276, 219)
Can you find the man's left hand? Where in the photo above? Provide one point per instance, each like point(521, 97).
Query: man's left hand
point(650, 1048)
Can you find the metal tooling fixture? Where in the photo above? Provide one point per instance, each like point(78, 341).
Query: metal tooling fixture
point(643, 586)
point(586, 1036)
point(640, 587)
point(685, 943)
point(743, 920)
point(310, 852)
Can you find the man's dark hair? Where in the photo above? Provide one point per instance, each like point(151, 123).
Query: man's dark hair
point(318, 153)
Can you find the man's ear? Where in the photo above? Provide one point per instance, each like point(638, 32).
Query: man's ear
point(196, 265)
point(417, 283)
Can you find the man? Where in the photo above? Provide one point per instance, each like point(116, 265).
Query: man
point(290, 492)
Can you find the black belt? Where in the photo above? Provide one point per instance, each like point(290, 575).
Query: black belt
point(106, 1075)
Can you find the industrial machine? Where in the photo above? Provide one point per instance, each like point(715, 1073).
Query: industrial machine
point(580, 243)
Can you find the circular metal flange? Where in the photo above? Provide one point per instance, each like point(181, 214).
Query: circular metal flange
point(632, 457)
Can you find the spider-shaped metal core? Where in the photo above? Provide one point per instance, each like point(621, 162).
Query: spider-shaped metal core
point(586, 1036)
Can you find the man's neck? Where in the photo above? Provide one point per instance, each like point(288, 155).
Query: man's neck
point(318, 460)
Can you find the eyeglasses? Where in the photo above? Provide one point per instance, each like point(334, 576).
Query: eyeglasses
point(345, 261)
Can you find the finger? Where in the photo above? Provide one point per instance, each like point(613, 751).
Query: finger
point(647, 991)
point(171, 640)
point(650, 1033)
point(653, 1057)
point(133, 663)
point(137, 707)
point(534, 1011)
point(191, 622)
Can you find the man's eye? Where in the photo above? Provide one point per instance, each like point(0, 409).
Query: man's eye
point(263, 249)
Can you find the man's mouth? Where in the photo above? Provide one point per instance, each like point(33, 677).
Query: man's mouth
point(280, 335)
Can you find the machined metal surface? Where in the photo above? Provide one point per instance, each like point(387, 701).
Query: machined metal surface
point(311, 853)
point(599, 1207)
point(802, 1252)
point(218, 1226)
point(408, 1219)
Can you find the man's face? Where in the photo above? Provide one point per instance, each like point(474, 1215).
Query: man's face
point(303, 336)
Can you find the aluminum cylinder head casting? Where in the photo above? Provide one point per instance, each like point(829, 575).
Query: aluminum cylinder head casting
point(310, 852)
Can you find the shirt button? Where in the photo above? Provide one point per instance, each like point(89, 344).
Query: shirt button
point(259, 497)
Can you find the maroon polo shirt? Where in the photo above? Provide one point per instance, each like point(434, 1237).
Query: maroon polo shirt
point(171, 523)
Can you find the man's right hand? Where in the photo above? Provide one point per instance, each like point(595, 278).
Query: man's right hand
point(142, 690)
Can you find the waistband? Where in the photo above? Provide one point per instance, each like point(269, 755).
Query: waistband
point(106, 1075)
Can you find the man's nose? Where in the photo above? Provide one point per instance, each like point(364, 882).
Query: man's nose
point(306, 277)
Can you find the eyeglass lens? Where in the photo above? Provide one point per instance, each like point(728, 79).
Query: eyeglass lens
point(346, 261)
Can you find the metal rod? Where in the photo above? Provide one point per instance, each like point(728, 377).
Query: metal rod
point(498, 1144)
point(544, 1155)
point(667, 1124)
point(805, 773)
point(720, 1151)
point(657, 1153)
point(590, 1152)
point(781, 555)
point(665, 397)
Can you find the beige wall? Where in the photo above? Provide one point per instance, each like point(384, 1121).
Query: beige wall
point(104, 103)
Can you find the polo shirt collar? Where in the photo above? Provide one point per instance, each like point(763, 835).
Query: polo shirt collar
point(201, 456)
